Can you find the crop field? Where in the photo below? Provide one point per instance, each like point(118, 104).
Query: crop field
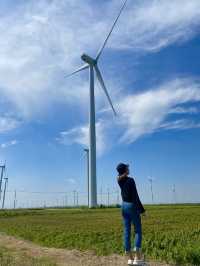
point(171, 232)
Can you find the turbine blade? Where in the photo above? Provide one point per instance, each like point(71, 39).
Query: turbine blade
point(78, 70)
point(106, 40)
point(100, 79)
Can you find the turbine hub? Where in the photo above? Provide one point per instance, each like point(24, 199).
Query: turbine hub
point(86, 58)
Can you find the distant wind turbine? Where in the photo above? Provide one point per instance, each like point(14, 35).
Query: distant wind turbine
point(3, 168)
point(92, 65)
point(151, 183)
point(174, 194)
point(4, 192)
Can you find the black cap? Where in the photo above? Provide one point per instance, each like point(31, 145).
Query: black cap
point(121, 168)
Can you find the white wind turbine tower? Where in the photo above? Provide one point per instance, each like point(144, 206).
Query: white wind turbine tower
point(92, 64)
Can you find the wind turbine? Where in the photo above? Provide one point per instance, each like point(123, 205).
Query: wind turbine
point(88, 176)
point(151, 183)
point(174, 194)
point(4, 192)
point(92, 65)
point(3, 168)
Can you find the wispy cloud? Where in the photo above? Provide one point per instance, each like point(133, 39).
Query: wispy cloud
point(143, 113)
point(38, 49)
point(8, 144)
point(153, 25)
point(80, 135)
point(8, 123)
point(184, 110)
point(180, 124)
point(44, 43)
point(71, 181)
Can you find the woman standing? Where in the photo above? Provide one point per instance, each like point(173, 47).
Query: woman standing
point(131, 213)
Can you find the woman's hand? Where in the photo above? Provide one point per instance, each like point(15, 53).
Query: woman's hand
point(122, 176)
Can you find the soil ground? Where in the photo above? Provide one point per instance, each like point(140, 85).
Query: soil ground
point(62, 257)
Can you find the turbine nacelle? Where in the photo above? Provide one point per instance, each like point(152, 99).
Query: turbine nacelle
point(86, 58)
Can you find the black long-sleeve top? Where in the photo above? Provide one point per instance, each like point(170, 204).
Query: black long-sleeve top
point(129, 192)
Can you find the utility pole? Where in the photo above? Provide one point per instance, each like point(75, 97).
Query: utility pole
point(63, 200)
point(15, 199)
point(108, 197)
point(66, 200)
point(74, 197)
point(151, 183)
point(88, 175)
point(77, 198)
point(3, 167)
point(101, 194)
point(4, 193)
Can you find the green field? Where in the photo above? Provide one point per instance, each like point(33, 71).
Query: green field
point(171, 233)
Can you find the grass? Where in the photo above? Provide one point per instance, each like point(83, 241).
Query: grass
point(171, 232)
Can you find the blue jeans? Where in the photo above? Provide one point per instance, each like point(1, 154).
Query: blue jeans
point(131, 216)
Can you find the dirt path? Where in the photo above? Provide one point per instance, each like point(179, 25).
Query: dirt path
point(63, 257)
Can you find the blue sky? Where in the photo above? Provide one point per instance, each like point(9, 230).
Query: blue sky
point(151, 66)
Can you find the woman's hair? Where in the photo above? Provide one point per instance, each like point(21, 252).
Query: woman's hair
point(122, 168)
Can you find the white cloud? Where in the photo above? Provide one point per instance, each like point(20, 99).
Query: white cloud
point(153, 25)
point(184, 110)
point(80, 135)
point(41, 40)
point(71, 181)
point(180, 124)
point(38, 48)
point(8, 123)
point(8, 144)
point(141, 114)
point(144, 113)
